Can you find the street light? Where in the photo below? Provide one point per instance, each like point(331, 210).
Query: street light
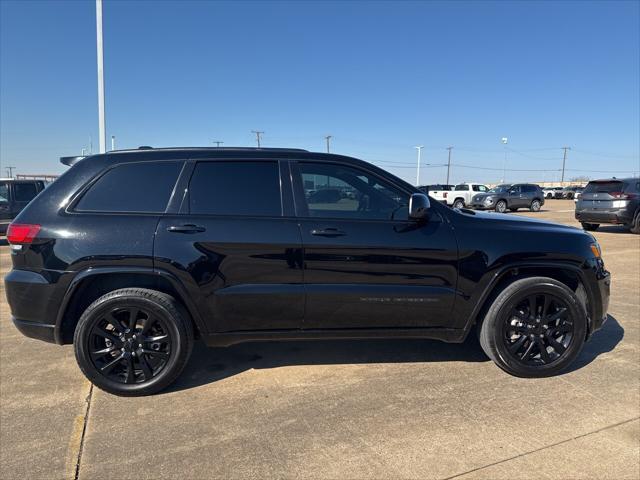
point(504, 141)
point(419, 148)
point(101, 122)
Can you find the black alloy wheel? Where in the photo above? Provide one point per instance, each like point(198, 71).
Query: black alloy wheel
point(535, 327)
point(133, 341)
point(538, 330)
point(130, 345)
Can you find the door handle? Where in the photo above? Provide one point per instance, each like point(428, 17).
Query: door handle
point(328, 232)
point(189, 228)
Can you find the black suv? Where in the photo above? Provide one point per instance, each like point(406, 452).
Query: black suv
point(14, 196)
point(132, 254)
point(612, 200)
point(510, 196)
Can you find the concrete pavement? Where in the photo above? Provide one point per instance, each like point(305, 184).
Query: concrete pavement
point(368, 409)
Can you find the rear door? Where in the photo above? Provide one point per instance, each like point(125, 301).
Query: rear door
point(234, 243)
point(366, 265)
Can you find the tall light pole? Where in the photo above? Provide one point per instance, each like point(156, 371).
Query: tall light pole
point(101, 122)
point(564, 161)
point(504, 141)
point(449, 164)
point(419, 148)
point(328, 139)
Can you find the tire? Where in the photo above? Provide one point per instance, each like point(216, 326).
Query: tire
point(166, 336)
point(501, 206)
point(635, 223)
point(565, 335)
point(458, 203)
point(535, 205)
point(569, 196)
point(591, 227)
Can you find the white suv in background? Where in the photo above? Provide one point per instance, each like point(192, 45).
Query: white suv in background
point(463, 192)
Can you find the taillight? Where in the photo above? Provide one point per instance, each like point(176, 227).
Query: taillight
point(22, 233)
point(622, 195)
point(444, 195)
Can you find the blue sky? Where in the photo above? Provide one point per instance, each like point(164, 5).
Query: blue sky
point(380, 77)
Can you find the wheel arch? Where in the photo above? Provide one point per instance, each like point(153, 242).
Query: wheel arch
point(90, 284)
point(570, 275)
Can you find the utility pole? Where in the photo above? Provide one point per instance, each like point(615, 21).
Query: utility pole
point(504, 141)
point(449, 164)
point(419, 148)
point(101, 122)
point(564, 161)
point(218, 143)
point(328, 139)
point(113, 142)
point(10, 171)
point(258, 133)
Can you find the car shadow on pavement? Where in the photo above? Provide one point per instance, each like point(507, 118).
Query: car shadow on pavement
point(208, 365)
point(603, 341)
point(614, 229)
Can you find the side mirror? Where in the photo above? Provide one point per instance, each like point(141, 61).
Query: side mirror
point(419, 206)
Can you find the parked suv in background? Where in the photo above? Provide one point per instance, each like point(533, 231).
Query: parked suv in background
point(14, 196)
point(510, 196)
point(569, 193)
point(550, 192)
point(610, 201)
point(131, 254)
point(463, 193)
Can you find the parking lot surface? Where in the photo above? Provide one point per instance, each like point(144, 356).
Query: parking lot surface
point(338, 409)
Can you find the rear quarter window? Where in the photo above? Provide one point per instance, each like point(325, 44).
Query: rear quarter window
point(132, 187)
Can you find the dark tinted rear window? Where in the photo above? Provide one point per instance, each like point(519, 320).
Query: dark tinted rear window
point(133, 187)
point(24, 192)
point(235, 188)
point(604, 187)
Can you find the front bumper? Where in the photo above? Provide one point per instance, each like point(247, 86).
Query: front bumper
point(612, 215)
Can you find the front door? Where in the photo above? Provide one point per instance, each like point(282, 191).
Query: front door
point(365, 264)
point(235, 248)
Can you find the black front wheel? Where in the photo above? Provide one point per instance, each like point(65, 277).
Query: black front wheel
point(133, 341)
point(536, 327)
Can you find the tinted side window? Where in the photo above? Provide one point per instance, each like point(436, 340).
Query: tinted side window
point(24, 192)
point(132, 187)
point(338, 191)
point(235, 188)
point(462, 188)
point(4, 192)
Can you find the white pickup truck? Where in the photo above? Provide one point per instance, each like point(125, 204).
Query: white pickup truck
point(438, 192)
point(461, 194)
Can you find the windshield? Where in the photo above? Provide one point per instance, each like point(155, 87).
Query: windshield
point(499, 189)
point(604, 187)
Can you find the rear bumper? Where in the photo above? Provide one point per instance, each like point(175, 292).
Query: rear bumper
point(34, 304)
point(40, 331)
point(614, 215)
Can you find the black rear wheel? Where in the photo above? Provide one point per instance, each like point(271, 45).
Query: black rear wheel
point(133, 341)
point(535, 328)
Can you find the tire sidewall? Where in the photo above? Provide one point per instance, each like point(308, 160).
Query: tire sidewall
point(535, 206)
point(501, 210)
point(97, 311)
